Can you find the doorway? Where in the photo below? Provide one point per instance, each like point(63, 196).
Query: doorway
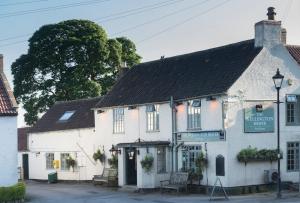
point(131, 172)
point(25, 166)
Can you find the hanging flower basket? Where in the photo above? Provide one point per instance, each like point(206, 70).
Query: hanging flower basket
point(71, 162)
point(98, 155)
point(147, 163)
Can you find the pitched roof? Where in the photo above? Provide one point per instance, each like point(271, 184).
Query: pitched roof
point(202, 73)
point(8, 104)
point(83, 116)
point(294, 51)
point(22, 138)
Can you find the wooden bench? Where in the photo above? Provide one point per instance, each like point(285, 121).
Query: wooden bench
point(177, 181)
point(109, 176)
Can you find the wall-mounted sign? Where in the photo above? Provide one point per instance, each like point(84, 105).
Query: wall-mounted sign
point(261, 121)
point(203, 136)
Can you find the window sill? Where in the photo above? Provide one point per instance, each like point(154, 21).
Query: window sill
point(152, 131)
point(121, 133)
point(292, 124)
point(193, 129)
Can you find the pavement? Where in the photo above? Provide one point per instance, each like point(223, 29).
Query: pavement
point(88, 193)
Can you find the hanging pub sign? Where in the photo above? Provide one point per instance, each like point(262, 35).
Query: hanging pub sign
point(259, 119)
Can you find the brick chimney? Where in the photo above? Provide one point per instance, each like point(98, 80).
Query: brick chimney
point(268, 32)
point(1, 63)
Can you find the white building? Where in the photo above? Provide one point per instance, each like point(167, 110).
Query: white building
point(221, 98)
point(8, 135)
point(66, 130)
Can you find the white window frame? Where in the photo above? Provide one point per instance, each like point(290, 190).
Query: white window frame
point(49, 162)
point(118, 120)
point(152, 118)
point(63, 161)
point(189, 155)
point(292, 156)
point(161, 159)
point(292, 110)
point(193, 116)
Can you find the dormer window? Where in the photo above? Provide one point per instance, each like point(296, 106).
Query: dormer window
point(66, 116)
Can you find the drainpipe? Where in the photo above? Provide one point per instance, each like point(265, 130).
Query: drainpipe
point(174, 137)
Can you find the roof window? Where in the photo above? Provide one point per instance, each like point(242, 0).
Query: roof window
point(66, 116)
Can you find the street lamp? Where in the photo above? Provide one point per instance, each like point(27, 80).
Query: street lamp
point(277, 79)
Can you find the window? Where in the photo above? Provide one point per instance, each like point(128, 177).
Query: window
point(152, 113)
point(193, 114)
point(49, 160)
point(189, 155)
point(118, 122)
point(293, 109)
point(161, 160)
point(293, 156)
point(63, 161)
point(66, 116)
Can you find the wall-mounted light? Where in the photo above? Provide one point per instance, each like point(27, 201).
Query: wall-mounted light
point(178, 103)
point(100, 111)
point(259, 108)
point(114, 150)
point(131, 107)
point(211, 98)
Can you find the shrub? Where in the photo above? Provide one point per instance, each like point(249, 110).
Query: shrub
point(98, 155)
point(13, 193)
point(200, 163)
point(147, 163)
point(113, 161)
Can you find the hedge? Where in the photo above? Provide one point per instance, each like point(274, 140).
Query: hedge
point(13, 193)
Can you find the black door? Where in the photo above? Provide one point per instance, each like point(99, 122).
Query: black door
point(25, 166)
point(131, 166)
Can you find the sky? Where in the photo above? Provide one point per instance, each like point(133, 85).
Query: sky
point(158, 27)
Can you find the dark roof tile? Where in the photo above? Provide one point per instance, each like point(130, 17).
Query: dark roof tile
point(197, 74)
point(82, 118)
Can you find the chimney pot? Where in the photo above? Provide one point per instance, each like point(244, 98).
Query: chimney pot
point(271, 13)
point(1, 63)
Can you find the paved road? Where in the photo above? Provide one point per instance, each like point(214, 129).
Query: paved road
point(87, 193)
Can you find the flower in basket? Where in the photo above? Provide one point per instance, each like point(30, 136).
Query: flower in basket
point(147, 163)
point(99, 155)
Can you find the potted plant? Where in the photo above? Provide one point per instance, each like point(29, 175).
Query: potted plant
point(71, 162)
point(200, 162)
point(98, 155)
point(113, 161)
point(147, 163)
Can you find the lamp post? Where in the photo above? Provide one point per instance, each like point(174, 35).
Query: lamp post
point(277, 79)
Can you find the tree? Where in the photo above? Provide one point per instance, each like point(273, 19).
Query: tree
point(69, 60)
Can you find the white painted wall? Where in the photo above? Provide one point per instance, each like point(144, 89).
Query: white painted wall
point(8, 151)
point(256, 84)
point(80, 143)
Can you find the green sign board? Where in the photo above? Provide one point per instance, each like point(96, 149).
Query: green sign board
point(259, 120)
